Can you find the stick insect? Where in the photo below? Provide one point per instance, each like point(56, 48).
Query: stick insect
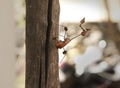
point(61, 44)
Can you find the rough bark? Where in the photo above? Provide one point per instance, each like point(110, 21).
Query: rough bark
point(41, 53)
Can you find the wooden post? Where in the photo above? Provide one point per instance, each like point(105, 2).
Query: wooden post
point(41, 53)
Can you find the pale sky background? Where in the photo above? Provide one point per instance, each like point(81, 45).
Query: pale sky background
point(92, 10)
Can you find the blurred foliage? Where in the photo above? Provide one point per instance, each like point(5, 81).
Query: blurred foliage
point(20, 13)
point(19, 7)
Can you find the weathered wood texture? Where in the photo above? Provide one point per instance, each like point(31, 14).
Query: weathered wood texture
point(41, 53)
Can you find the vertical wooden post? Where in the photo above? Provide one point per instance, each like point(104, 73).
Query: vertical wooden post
point(41, 53)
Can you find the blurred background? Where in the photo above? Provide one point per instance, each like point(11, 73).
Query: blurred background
point(91, 61)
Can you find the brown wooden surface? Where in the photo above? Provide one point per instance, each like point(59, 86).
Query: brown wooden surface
point(41, 53)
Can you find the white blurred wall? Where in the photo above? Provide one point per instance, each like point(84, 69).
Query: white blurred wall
point(7, 44)
point(92, 10)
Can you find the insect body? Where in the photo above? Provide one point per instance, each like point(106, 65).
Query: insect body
point(61, 44)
